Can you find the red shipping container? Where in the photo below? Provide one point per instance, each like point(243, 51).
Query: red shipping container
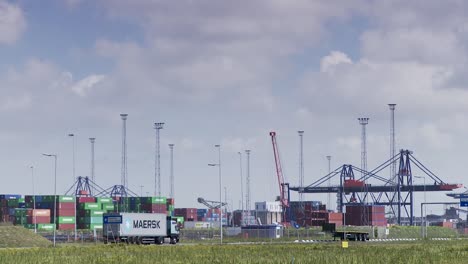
point(66, 212)
point(66, 226)
point(86, 200)
point(65, 206)
point(38, 219)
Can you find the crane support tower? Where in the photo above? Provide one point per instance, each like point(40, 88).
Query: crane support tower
point(283, 187)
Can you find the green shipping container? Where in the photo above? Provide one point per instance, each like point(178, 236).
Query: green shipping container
point(12, 203)
point(45, 227)
point(107, 207)
point(21, 220)
point(154, 200)
point(20, 211)
point(90, 220)
point(90, 206)
point(66, 220)
point(65, 199)
point(91, 226)
point(103, 200)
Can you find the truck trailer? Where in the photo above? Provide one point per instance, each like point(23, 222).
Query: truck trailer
point(139, 228)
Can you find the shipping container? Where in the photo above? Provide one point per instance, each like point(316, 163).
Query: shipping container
point(66, 226)
point(90, 206)
point(86, 199)
point(66, 219)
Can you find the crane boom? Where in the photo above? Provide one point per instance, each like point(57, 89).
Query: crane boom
point(279, 172)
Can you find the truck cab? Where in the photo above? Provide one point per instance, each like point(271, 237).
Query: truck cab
point(173, 230)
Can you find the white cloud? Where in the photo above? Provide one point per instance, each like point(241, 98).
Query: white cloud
point(329, 62)
point(86, 85)
point(12, 22)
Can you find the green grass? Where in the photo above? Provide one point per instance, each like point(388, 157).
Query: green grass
point(16, 236)
point(359, 252)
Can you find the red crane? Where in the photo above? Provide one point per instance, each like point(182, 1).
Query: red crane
point(279, 172)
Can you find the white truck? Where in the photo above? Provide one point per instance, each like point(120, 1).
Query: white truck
point(139, 228)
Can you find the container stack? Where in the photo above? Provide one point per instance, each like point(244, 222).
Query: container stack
point(189, 214)
point(65, 218)
point(8, 202)
point(371, 215)
point(297, 210)
point(89, 213)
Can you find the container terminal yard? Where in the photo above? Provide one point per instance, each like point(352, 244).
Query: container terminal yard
point(364, 198)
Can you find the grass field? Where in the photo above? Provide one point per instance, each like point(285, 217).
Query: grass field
point(359, 252)
point(17, 236)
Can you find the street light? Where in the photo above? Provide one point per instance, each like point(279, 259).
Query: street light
point(74, 179)
point(34, 199)
point(424, 179)
point(242, 188)
point(55, 190)
point(220, 191)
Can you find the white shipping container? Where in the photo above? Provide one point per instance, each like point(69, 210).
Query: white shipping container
point(268, 206)
point(143, 224)
point(190, 224)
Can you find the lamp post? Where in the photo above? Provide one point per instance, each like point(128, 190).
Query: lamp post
point(74, 178)
point(55, 190)
point(242, 188)
point(220, 192)
point(34, 199)
point(423, 229)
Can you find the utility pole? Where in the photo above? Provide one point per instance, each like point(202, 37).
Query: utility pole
point(247, 200)
point(171, 147)
point(157, 170)
point(363, 121)
point(123, 171)
point(301, 165)
point(329, 183)
point(73, 154)
point(92, 140)
point(392, 140)
point(242, 189)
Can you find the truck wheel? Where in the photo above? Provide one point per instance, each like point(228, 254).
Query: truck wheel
point(173, 241)
point(138, 240)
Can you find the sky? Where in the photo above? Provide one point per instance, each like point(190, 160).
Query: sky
point(228, 73)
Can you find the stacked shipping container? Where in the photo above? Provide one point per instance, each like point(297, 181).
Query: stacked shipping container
point(359, 215)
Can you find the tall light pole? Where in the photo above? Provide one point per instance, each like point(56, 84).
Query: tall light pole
point(55, 190)
point(220, 192)
point(34, 199)
point(171, 194)
point(247, 195)
point(73, 154)
point(123, 170)
point(242, 188)
point(301, 164)
point(329, 171)
point(157, 169)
